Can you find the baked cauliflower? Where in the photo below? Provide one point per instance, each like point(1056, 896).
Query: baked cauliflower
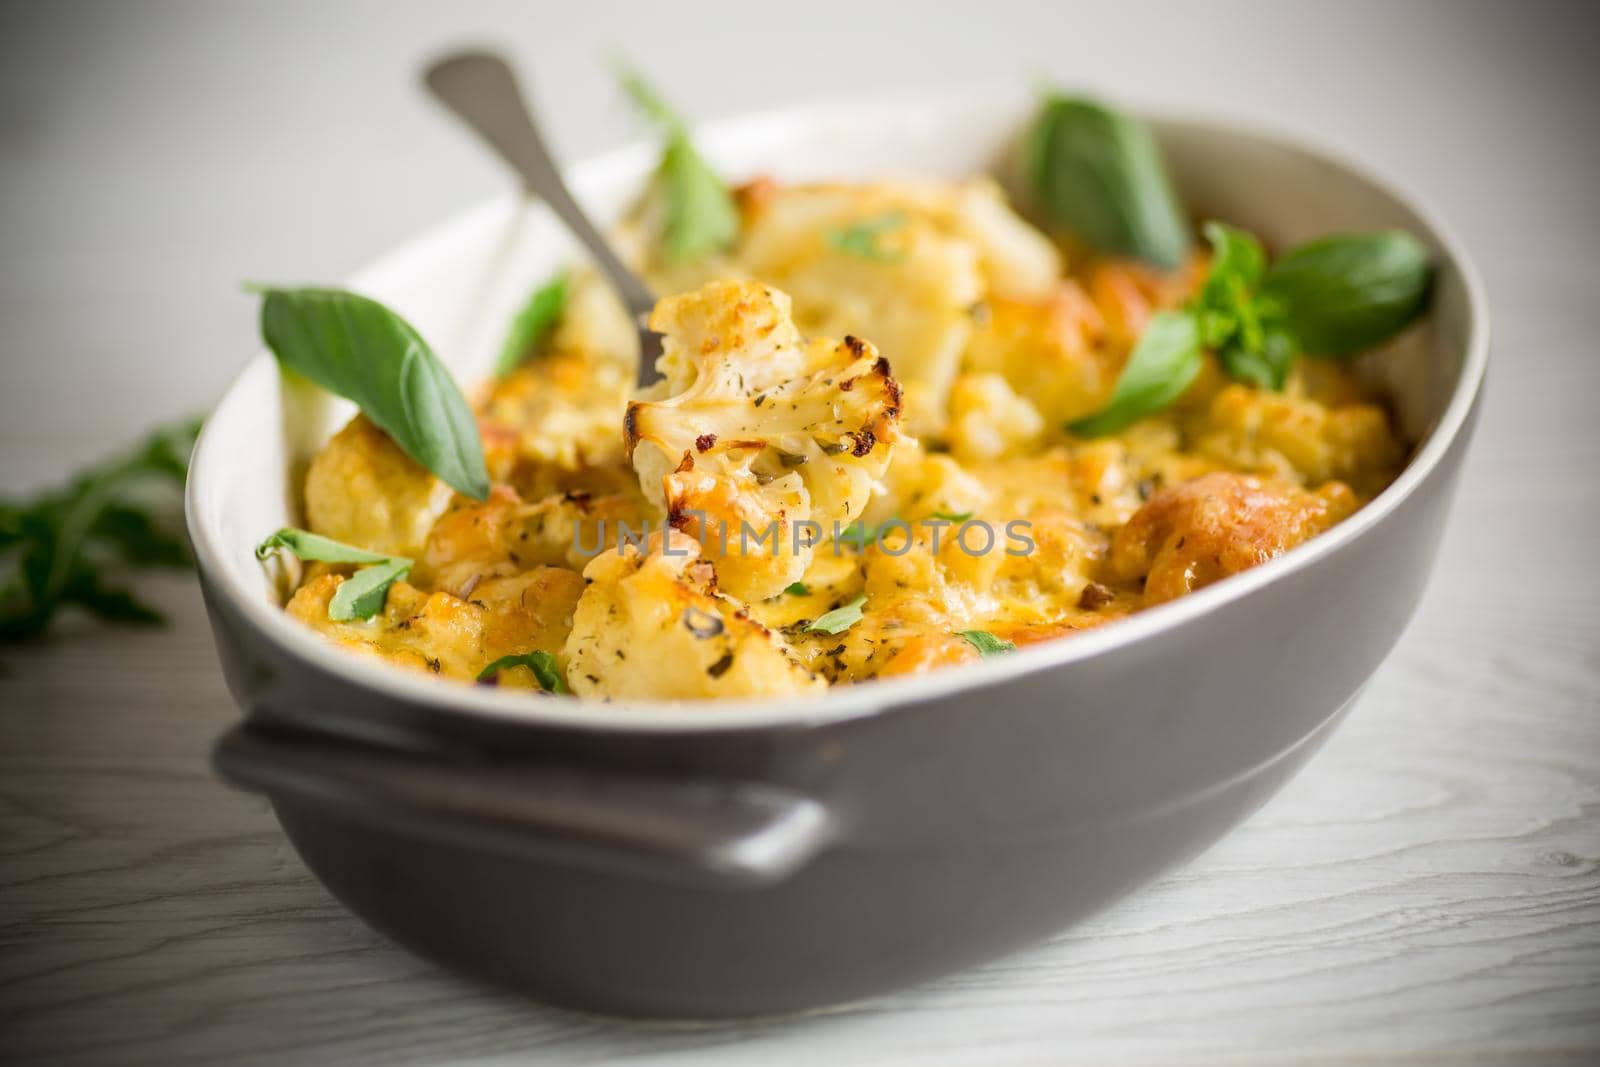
point(363, 490)
point(652, 625)
point(764, 441)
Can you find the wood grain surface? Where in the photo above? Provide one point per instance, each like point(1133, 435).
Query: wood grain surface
point(1428, 890)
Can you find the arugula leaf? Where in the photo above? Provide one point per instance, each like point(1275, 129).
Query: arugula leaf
point(700, 216)
point(860, 239)
point(1161, 366)
point(1100, 174)
point(546, 671)
point(533, 324)
point(314, 547)
point(797, 589)
point(985, 642)
point(361, 350)
point(362, 595)
point(57, 547)
point(1344, 294)
point(839, 619)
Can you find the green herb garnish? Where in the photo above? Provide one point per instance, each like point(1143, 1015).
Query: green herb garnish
point(797, 589)
point(60, 546)
point(954, 516)
point(546, 671)
point(1159, 369)
point(359, 349)
point(1100, 175)
point(533, 324)
point(862, 239)
point(360, 596)
point(699, 213)
point(1259, 320)
point(985, 642)
point(1342, 295)
point(839, 619)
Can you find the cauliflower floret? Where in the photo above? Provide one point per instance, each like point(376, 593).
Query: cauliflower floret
point(1298, 439)
point(449, 635)
point(762, 432)
point(505, 535)
point(652, 626)
point(363, 490)
point(1193, 534)
point(1051, 351)
point(988, 420)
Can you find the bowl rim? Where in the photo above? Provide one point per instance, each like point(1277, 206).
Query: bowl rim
point(873, 696)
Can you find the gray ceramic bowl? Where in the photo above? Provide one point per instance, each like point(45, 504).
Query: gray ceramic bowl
point(726, 860)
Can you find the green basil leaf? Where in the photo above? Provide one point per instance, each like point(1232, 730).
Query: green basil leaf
point(1267, 364)
point(797, 589)
point(314, 547)
point(700, 215)
point(953, 516)
point(1100, 174)
point(546, 671)
point(1344, 294)
point(533, 324)
point(1160, 367)
point(861, 239)
point(361, 596)
point(986, 643)
point(839, 619)
point(364, 352)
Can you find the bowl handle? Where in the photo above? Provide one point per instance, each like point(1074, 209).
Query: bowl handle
point(733, 834)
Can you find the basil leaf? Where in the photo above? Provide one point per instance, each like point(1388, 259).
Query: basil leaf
point(1100, 175)
point(797, 589)
point(1161, 366)
point(860, 239)
point(985, 642)
point(535, 322)
point(839, 619)
point(1225, 301)
point(953, 516)
point(314, 547)
point(546, 671)
point(1342, 295)
point(362, 595)
point(700, 216)
point(364, 352)
point(1267, 364)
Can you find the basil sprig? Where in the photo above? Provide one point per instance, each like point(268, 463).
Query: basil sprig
point(1099, 174)
point(1333, 298)
point(546, 671)
point(533, 324)
point(699, 213)
point(360, 596)
point(361, 350)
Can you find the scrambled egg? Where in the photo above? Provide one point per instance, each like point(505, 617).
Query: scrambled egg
point(904, 356)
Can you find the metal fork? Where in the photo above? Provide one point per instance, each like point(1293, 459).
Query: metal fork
point(482, 90)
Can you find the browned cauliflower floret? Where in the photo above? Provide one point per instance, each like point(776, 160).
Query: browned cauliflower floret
point(504, 535)
point(363, 490)
point(761, 432)
point(1299, 439)
point(449, 635)
point(1193, 534)
point(651, 626)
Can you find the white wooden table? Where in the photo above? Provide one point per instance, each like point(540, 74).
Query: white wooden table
point(1429, 889)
